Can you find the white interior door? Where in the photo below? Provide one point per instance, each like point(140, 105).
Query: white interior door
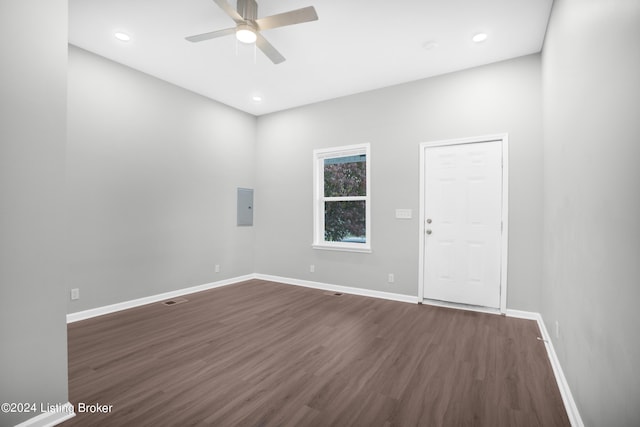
point(463, 221)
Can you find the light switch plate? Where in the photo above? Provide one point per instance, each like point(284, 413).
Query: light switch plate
point(404, 214)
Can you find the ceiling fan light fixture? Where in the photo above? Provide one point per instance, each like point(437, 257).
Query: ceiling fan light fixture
point(246, 34)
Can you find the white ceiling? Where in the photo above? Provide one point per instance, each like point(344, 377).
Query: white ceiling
point(355, 46)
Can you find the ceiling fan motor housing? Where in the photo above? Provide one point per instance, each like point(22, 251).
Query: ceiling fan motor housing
point(248, 9)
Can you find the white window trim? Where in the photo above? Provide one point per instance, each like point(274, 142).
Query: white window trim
point(318, 197)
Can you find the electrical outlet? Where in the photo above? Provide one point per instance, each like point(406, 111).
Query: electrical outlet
point(217, 268)
point(391, 278)
point(75, 293)
point(557, 330)
point(312, 268)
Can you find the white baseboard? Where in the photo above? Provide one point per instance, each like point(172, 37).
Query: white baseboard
point(99, 311)
point(56, 415)
point(337, 288)
point(520, 314)
point(561, 380)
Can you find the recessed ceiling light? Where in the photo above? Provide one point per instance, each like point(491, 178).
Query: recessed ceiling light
point(123, 37)
point(256, 98)
point(480, 37)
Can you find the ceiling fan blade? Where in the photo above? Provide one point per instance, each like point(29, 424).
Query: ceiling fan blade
point(233, 14)
point(266, 48)
point(211, 35)
point(297, 16)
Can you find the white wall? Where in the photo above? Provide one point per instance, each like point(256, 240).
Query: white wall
point(502, 97)
point(152, 173)
point(591, 69)
point(33, 333)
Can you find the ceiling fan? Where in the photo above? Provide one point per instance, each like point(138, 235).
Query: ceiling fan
point(248, 25)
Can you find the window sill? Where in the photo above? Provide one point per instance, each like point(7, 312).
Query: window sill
point(359, 249)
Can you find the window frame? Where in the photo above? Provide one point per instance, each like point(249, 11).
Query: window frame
point(319, 156)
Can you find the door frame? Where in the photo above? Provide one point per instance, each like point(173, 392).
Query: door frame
point(504, 243)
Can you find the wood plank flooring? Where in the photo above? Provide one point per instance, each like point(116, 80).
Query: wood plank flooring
point(266, 354)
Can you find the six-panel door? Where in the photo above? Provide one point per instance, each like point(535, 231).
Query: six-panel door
point(463, 209)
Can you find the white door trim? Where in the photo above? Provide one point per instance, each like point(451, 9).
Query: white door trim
point(504, 139)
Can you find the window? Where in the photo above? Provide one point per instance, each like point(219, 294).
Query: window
point(342, 207)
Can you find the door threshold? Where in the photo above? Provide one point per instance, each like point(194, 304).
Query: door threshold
point(460, 306)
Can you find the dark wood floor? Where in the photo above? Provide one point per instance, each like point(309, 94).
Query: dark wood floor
point(266, 354)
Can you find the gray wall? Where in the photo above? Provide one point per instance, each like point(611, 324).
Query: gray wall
point(152, 172)
point(503, 97)
point(591, 286)
point(33, 333)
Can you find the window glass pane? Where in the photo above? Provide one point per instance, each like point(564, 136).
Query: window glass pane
point(345, 221)
point(345, 176)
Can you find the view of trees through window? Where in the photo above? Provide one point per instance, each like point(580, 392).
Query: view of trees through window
point(345, 183)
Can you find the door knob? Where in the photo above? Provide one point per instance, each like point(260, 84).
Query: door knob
point(429, 231)
point(429, 221)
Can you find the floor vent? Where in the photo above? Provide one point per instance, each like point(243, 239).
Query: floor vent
point(175, 301)
point(334, 294)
